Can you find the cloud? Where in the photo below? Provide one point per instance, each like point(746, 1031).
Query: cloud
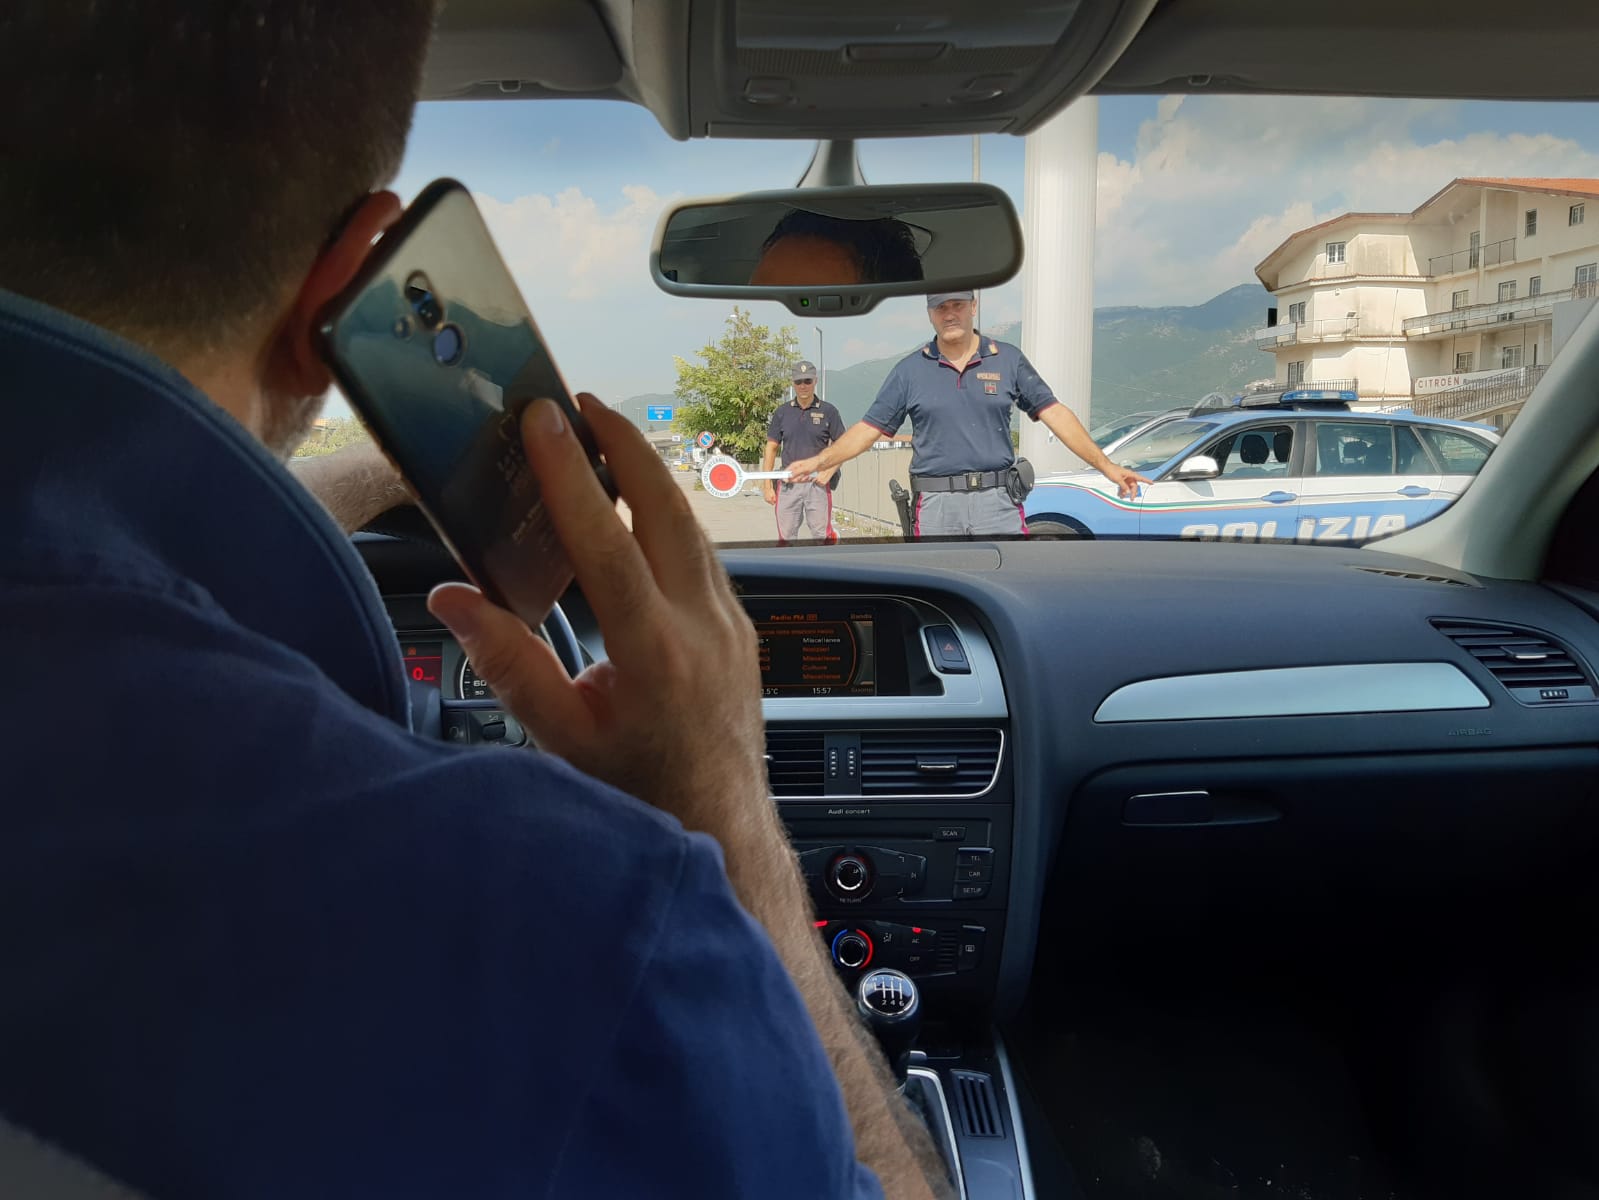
point(570, 246)
point(1214, 183)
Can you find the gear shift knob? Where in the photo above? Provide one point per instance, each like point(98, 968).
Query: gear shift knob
point(892, 1007)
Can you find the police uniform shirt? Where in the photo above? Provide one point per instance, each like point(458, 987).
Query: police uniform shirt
point(804, 432)
point(960, 420)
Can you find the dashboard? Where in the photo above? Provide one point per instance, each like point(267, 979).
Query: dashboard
point(1004, 763)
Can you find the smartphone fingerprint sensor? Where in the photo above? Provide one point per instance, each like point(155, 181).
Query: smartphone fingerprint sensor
point(447, 346)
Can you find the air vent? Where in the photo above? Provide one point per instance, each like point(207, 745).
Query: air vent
point(794, 761)
point(949, 944)
point(935, 762)
point(1415, 576)
point(976, 1105)
point(1533, 667)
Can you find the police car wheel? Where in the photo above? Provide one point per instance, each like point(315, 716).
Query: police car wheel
point(1052, 531)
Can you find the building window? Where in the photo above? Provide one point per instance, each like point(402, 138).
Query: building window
point(1335, 251)
point(1296, 374)
point(1510, 356)
point(1296, 313)
point(1587, 274)
point(1465, 362)
point(1460, 299)
point(1474, 258)
point(1535, 286)
point(1575, 216)
point(1507, 291)
point(1531, 225)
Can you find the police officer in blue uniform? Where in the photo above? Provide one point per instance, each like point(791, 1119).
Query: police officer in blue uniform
point(800, 428)
point(957, 391)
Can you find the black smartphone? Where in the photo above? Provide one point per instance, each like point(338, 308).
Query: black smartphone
point(434, 346)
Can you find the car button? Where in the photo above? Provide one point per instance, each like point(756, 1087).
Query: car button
point(949, 655)
point(970, 951)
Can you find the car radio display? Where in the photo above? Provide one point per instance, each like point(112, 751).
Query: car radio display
point(817, 651)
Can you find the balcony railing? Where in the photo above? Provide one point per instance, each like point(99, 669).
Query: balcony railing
point(1483, 396)
point(1469, 259)
point(1331, 330)
point(1473, 315)
point(1323, 385)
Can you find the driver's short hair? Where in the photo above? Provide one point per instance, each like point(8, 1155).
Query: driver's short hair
point(884, 247)
point(176, 165)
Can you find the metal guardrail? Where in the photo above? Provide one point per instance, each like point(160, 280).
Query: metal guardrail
point(1473, 400)
point(1469, 259)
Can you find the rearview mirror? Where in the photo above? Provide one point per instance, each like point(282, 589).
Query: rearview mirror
point(1200, 466)
point(837, 251)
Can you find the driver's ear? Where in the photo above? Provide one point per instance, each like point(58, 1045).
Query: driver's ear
point(293, 364)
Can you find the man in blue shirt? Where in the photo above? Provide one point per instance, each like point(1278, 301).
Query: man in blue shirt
point(259, 938)
point(958, 391)
point(800, 428)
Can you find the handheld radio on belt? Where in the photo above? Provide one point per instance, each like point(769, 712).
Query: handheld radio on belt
point(902, 501)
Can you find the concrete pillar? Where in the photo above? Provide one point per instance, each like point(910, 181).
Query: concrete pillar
point(1062, 177)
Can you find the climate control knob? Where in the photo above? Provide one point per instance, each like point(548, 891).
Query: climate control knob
point(852, 949)
point(850, 876)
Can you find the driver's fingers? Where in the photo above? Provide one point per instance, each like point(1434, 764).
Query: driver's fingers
point(663, 522)
point(518, 665)
point(606, 559)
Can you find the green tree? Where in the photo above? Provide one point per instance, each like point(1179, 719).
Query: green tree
point(733, 391)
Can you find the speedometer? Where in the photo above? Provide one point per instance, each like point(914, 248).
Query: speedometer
point(470, 685)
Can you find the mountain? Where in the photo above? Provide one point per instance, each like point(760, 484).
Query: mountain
point(1144, 358)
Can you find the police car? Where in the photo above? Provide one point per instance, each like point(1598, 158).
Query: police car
point(1292, 467)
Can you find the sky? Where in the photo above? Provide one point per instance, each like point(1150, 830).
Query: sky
point(1192, 193)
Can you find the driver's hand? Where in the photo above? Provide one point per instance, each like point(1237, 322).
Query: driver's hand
point(674, 716)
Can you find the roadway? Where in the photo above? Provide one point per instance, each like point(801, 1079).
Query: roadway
point(742, 518)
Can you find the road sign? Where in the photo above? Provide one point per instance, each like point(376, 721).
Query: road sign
point(723, 478)
point(706, 439)
point(658, 412)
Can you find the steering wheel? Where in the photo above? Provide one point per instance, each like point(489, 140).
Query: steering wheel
point(558, 632)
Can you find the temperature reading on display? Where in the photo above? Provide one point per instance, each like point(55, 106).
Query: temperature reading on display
point(811, 653)
point(423, 661)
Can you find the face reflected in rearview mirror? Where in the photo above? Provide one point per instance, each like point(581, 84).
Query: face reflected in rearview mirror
point(811, 249)
point(838, 251)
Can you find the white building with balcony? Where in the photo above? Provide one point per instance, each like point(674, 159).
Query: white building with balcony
point(1455, 307)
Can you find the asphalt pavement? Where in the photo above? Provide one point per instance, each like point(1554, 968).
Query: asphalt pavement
point(742, 518)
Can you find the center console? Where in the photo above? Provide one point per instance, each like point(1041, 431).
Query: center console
point(886, 752)
point(888, 757)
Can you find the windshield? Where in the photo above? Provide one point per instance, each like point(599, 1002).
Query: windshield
point(1151, 450)
point(1417, 264)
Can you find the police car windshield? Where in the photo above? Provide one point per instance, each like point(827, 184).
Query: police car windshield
point(1152, 450)
point(1208, 280)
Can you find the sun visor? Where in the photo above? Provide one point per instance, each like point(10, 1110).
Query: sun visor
point(841, 68)
point(488, 48)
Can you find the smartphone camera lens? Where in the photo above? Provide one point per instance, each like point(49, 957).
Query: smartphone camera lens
point(448, 344)
point(419, 294)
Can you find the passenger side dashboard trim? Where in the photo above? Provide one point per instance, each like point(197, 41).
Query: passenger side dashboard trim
point(1352, 688)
